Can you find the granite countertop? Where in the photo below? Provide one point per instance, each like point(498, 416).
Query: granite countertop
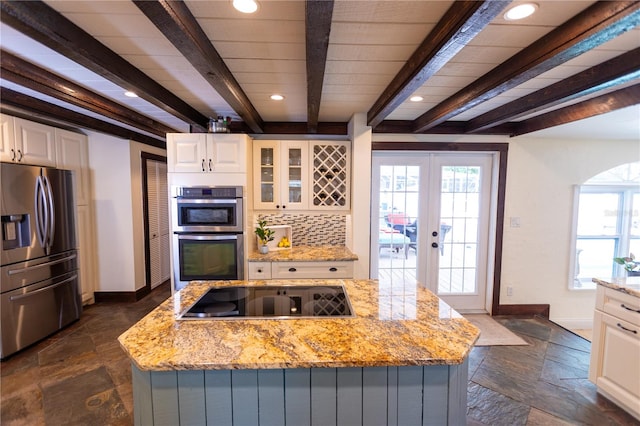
point(629, 285)
point(413, 327)
point(305, 254)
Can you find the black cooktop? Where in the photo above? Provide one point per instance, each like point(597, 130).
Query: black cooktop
point(285, 301)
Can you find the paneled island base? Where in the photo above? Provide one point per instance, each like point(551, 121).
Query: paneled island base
point(411, 395)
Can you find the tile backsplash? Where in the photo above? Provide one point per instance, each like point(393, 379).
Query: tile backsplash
point(311, 230)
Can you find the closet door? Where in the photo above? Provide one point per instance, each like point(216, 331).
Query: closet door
point(157, 200)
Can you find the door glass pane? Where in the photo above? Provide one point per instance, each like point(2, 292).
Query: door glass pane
point(295, 175)
point(266, 175)
point(397, 236)
point(459, 234)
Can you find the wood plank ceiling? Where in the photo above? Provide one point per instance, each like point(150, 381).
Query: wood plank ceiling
point(70, 61)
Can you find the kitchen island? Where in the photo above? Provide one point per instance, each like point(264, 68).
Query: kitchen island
point(401, 359)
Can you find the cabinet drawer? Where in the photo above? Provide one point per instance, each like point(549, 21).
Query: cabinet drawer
point(619, 304)
point(328, 270)
point(259, 270)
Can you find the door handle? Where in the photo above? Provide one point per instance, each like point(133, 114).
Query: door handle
point(627, 329)
point(210, 169)
point(203, 169)
point(40, 290)
point(20, 155)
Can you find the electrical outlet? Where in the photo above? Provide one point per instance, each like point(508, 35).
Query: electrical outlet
point(509, 291)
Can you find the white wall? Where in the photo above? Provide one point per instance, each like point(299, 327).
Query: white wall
point(111, 180)
point(541, 175)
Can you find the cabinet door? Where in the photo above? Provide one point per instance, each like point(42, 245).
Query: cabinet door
point(617, 371)
point(72, 154)
point(227, 153)
point(35, 143)
point(85, 252)
point(7, 139)
point(294, 174)
point(330, 176)
point(266, 175)
point(187, 152)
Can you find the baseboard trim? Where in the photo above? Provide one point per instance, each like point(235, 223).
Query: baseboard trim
point(542, 310)
point(120, 296)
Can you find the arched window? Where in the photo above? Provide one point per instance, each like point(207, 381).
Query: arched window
point(606, 224)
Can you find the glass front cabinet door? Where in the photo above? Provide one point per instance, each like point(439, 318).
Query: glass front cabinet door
point(281, 175)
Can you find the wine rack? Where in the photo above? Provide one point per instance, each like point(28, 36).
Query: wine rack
point(330, 175)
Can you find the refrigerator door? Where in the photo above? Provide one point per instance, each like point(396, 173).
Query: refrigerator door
point(23, 187)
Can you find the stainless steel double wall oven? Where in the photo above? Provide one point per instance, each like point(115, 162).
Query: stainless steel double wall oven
point(208, 239)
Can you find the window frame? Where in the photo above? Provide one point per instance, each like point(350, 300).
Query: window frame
point(622, 237)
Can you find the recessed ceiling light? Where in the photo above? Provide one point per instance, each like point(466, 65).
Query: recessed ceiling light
point(277, 97)
point(520, 11)
point(245, 6)
point(130, 94)
point(416, 98)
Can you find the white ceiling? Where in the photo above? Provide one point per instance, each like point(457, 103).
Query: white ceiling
point(370, 41)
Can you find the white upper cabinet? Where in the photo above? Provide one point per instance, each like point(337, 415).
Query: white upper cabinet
point(29, 143)
point(301, 175)
point(73, 154)
point(207, 153)
point(281, 170)
point(7, 139)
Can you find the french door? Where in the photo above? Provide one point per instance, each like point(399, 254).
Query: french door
point(430, 224)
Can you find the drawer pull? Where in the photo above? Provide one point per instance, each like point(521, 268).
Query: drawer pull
point(259, 271)
point(292, 269)
point(334, 269)
point(627, 329)
point(630, 309)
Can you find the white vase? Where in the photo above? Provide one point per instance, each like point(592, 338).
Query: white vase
point(264, 249)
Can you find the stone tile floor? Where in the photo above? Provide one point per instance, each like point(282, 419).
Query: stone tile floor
point(80, 376)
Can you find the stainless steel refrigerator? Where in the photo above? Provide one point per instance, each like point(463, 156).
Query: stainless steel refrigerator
point(40, 290)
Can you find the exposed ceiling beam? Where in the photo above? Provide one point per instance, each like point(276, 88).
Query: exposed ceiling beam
point(318, 14)
point(179, 26)
point(42, 23)
point(459, 25)
point(12, 99)
point(600, 105)
point(597, 24)
point(616, 71)
point(35, 78)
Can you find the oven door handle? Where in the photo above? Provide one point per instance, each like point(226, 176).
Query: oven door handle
point(181, 202)
point(207, 237)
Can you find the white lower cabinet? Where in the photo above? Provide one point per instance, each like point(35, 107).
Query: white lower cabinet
point(259, 270)
point(301, 270)
point(615, 350)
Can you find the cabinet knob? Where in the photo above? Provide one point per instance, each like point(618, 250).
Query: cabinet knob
point(434, 245)
point(259, 271)
point(292, 269)
point(333, 269)
point(434, 233)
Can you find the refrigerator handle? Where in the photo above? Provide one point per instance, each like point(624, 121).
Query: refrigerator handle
point(51, 222)
point(40, 208)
